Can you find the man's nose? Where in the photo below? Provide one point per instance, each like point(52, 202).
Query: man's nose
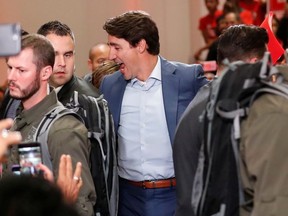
point(11, 74)
point(112, 55)
point(61, 61)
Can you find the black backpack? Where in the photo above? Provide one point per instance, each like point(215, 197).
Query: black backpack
point(103, 146)
point(217, 186)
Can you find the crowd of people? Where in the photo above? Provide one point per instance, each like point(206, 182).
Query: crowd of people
point(233, 12)
point(246, 11)
point(155, 104)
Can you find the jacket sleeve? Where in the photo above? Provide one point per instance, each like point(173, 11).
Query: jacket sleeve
point(200, 79)
point(264, 153)
point(69, 136)
point(186, 148)
point(185, 163)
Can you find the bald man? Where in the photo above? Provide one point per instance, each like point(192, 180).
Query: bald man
point(98, 54)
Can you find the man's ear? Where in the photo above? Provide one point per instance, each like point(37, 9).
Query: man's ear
point(46, 72)
point(142, 46)
point(253, 60)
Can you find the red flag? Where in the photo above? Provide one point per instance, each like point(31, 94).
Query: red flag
point(274, 47)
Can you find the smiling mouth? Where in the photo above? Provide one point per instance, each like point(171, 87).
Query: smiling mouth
point(121, 66)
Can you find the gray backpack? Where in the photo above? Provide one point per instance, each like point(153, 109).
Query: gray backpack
point(101, 135)
point(217, 188)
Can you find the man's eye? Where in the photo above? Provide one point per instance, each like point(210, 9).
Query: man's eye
point(68, 55)
point(101, 61)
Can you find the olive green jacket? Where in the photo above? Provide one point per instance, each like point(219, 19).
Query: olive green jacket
point(66, 136)
point(264, 154)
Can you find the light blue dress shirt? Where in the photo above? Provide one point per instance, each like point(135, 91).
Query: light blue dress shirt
point(145, 150)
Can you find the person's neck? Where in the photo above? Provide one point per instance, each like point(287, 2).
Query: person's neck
point(35, 98)
point(219, 70)
point(147, 66)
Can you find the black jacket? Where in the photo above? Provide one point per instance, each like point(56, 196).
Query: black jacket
point(79, 85)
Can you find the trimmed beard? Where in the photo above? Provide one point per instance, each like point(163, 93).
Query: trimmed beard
point(30, 90)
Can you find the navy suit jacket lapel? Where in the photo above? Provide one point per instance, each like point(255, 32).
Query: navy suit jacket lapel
point(117, 93)
point(170, 89)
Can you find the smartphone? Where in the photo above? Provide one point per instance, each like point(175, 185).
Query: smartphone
point(10, 39)
point(30, 156)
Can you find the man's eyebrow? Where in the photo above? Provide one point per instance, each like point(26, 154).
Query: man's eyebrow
point(112, 44)
point(17, 68)
point(68, 52)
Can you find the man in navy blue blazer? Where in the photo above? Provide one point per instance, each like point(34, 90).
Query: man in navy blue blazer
point(146, 97)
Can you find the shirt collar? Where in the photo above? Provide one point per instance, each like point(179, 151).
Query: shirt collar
point(40, 109)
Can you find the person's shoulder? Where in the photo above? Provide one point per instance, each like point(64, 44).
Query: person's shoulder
point(183, 67)
point(112, 78)
point(201, 97)
point(218, 13)
point(273, 103)
point(176, 64)
point(203, 93)
point(270, 104)
point(86, 88)
point(70, 123)
point(209, 19)
point(204, 18)
point(88, 77)
point(203, 22)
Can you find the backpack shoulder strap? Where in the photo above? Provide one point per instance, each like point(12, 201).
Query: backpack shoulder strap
point(42, 131)
point(110, 138)
point(101, 134)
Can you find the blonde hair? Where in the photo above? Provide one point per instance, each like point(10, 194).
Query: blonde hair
point(108, 67)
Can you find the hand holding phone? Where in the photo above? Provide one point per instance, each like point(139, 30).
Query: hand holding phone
point(29, 157)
